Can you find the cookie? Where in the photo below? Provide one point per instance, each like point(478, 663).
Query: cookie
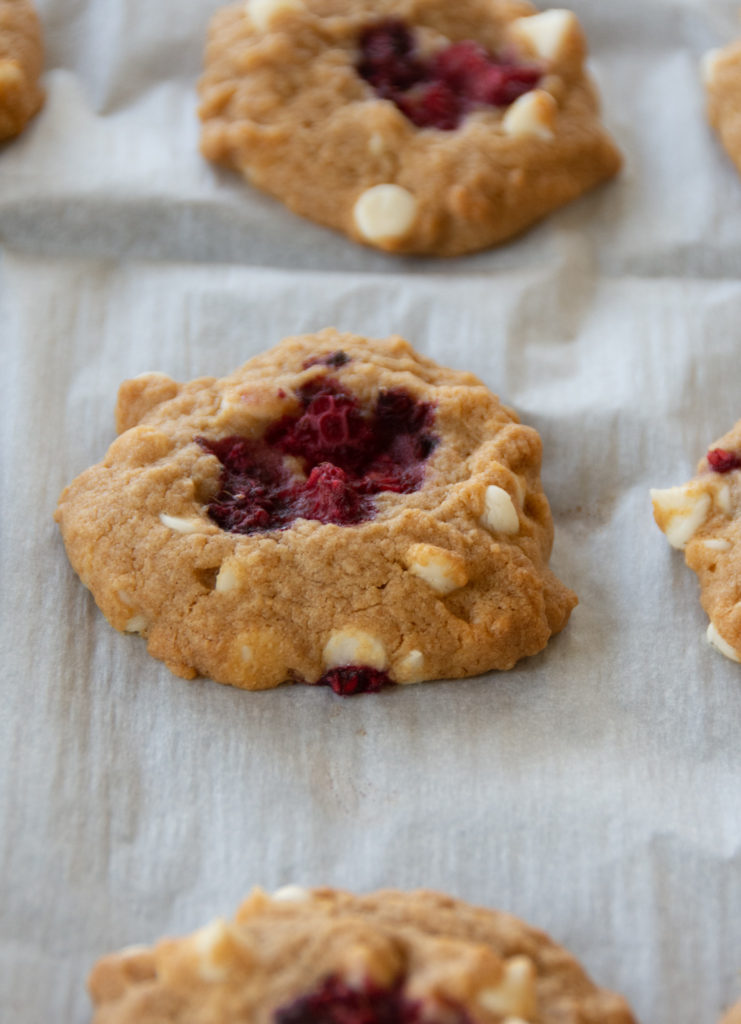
point(21, 56)
point(733, 1016)
point(337, 511)
point(319, 956)
point(414, 126)
point(721, 73)
point(701, 519)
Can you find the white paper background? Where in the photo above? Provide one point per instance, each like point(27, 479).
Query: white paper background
point(596, 789)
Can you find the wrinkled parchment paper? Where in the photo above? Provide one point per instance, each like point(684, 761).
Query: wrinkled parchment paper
point(595, 790)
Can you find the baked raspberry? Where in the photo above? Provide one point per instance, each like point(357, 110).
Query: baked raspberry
point(334, 359)
point(722, 461)
point(439, 91)
point(349, 454)
point(350, 680)
point(336, 1003)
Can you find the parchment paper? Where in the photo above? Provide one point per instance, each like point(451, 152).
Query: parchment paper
point(595, 790)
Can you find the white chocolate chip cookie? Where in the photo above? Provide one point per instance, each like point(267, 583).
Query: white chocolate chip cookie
point(319, 956)
point(414, 126)
point(701, 518)
point(338, 511)
point(21, 56)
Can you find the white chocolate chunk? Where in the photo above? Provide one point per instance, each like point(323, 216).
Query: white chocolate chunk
point(532, 115)
point(227, 579)
point(11, 74)
point(291, 894)
point(722, 495)
point(549, 33)
point(441, 569)
point(212, 945)
point(411, 668)
point(500, 514)
point(709, 65)
point(180, 524)
point(385, 213)
point(247, 653)
point(515, 994)
point(137, 624)
point(680, 512)
point(717, 544)
point(354, 647)
point(716, 640)
point(263, 13)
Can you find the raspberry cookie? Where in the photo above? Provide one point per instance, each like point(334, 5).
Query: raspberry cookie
point(416, 126)
point(701, 518)
point(721, 72)
point(21, 56)
point(326, 957)
point(337, 511)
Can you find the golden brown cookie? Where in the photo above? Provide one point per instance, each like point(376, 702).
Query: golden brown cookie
point(733, 1016)
point(319, 956)
point(21, 56)
point(415, 126)
point(721, 72)
point(701, 518)
point(338, 510)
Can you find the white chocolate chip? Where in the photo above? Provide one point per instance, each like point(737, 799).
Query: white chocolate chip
point(531, 115)
point(515, 994)
point(137, 624)
point(354, 647)
point(385, 213)
point(500, 514)
point(709, 65)
point(291, 894)
point(549, 33)
point(440, 569)
point(376, 144)
point(211, 944)
point(247, 653)
point(411, 668)
point(227, 579)
point(263, 13)
point(722, 495)
point(11, 74)
point(180, 524)
point(716, 640)
point(717, 544)
point(680, 512)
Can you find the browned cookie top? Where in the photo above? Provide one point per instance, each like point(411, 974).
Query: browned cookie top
point(338, 510)
point(412, 125)
point(722, 77)
point(21, 56)
point(701, 518)
point(326, 957)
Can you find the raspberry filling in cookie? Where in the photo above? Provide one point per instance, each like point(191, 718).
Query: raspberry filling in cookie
point(349, 455)
point(722, 461)
point(350, 680)
point(336, 1003)
point(438, 91)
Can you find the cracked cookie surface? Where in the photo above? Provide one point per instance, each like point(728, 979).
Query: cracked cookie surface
point(701, 519)
point(320, 956)
point(337, 511)
point(21, 56)
point(408, 126)
point(721, 72)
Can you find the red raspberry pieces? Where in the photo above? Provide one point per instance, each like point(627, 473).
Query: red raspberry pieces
point(349, 455)
point(350, 680)
point(335, 1002)
point(439, 91)
point(722, 461)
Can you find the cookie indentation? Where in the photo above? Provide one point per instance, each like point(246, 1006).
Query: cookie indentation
point(349, 454)
point(438, 91)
